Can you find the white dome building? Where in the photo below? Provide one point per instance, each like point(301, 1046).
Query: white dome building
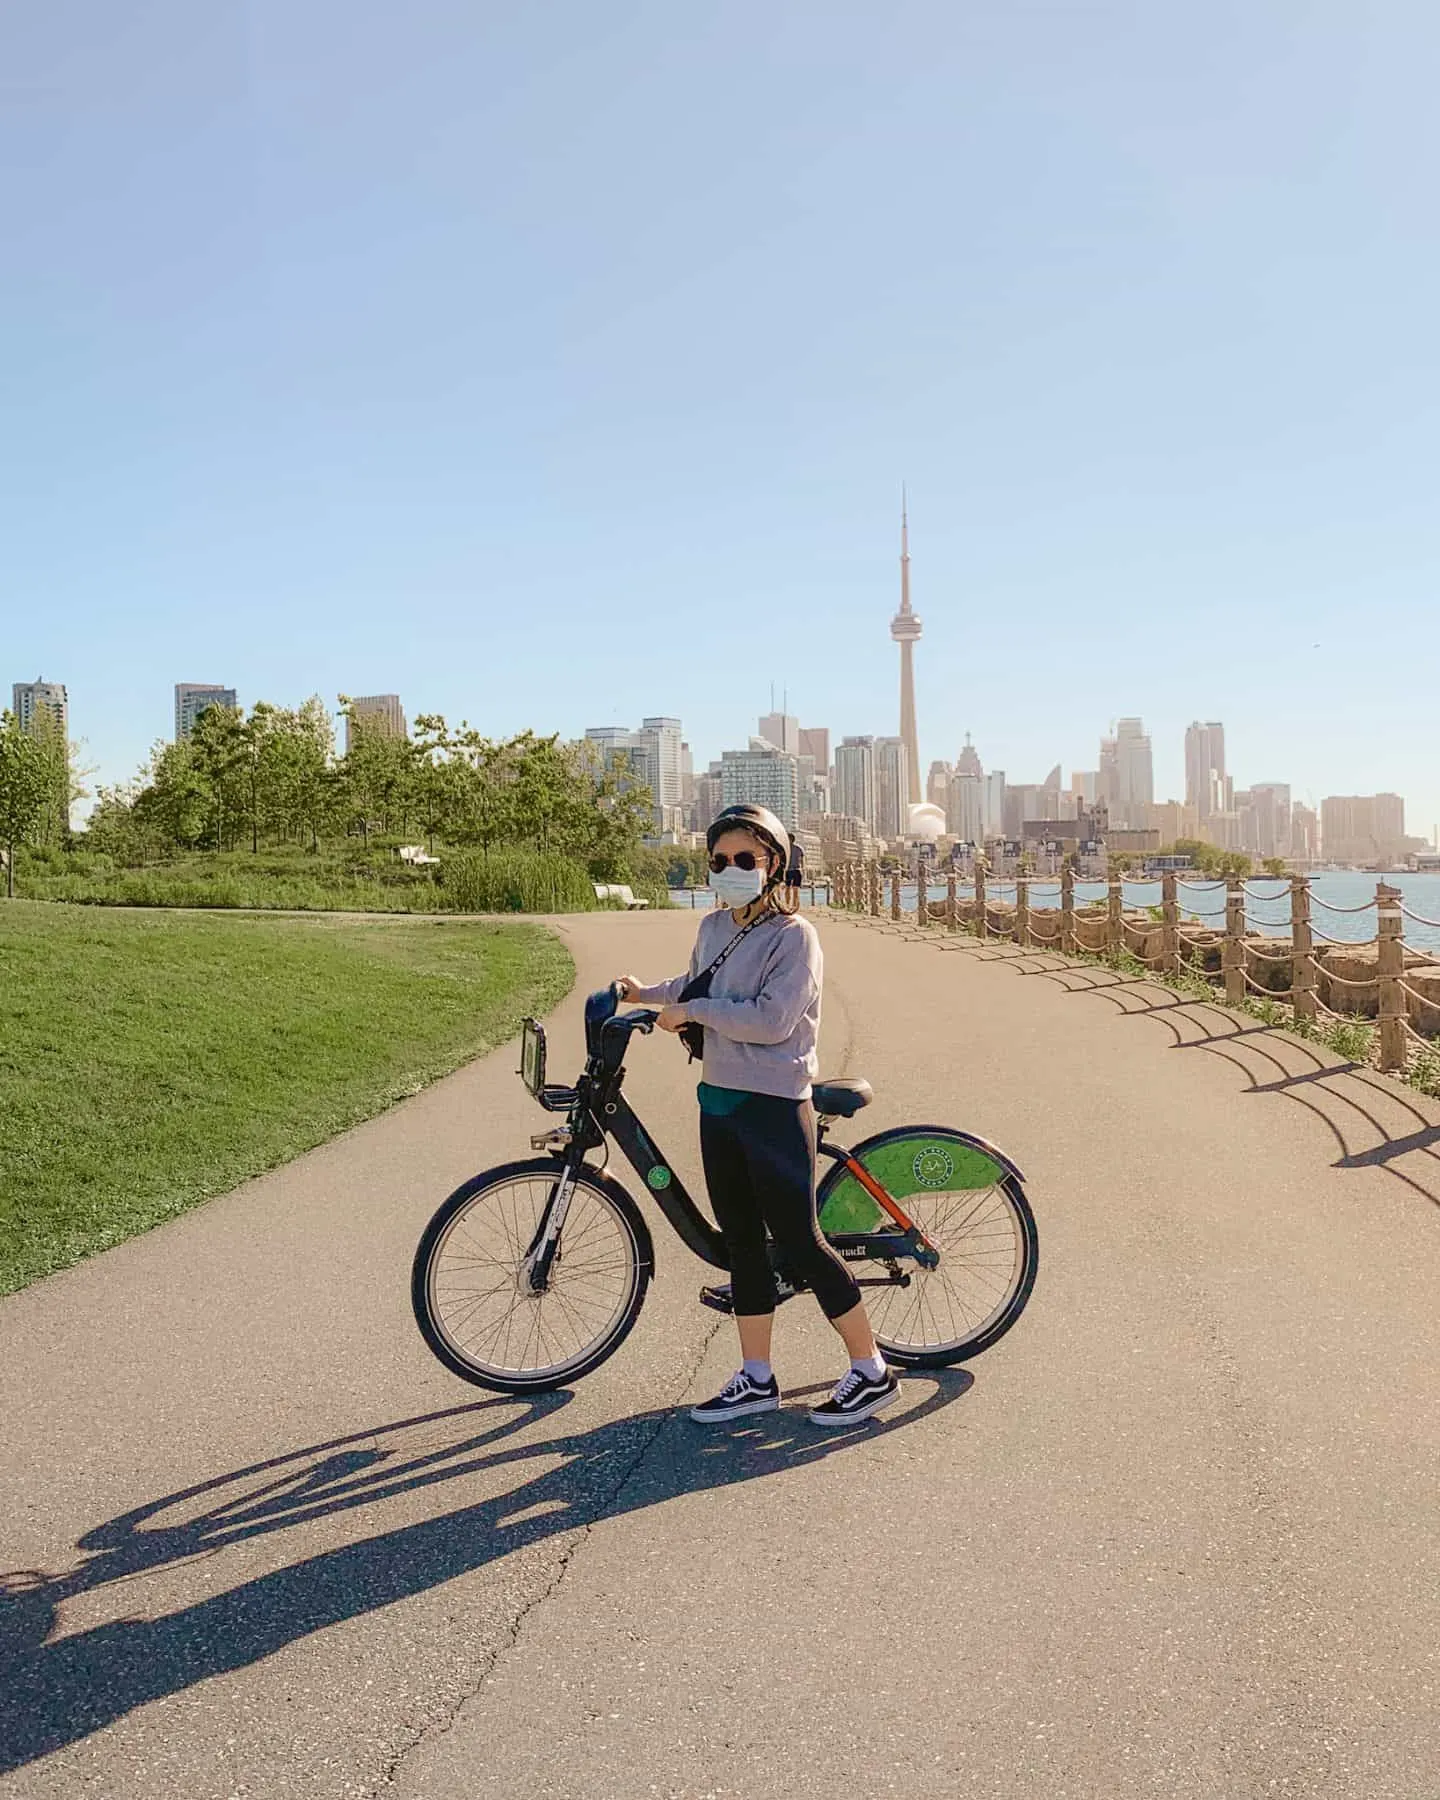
point(926, 822)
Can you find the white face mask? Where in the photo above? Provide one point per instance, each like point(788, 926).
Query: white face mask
point(737, 887)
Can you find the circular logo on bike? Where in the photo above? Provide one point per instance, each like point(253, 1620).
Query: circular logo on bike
point(933, 1166)
point(659, 1178)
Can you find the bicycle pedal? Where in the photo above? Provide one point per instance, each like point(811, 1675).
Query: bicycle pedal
point(720, 1299)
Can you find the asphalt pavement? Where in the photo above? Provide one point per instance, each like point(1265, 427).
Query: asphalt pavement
point(1177, 1534)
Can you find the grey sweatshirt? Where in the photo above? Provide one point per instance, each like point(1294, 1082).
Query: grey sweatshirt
point(763, 1015)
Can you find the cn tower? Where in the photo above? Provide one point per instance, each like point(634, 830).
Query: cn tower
point(905, 628)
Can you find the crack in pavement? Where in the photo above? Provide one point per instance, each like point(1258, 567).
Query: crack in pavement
point(440, 1727)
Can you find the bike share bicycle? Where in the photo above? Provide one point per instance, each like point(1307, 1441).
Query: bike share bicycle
point(531, 1274)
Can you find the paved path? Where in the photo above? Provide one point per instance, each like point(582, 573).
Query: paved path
point(1178, 1536)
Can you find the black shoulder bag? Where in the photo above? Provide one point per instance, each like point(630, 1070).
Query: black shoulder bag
point(692, 1033)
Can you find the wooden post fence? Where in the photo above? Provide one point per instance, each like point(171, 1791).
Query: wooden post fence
point(895, 894)
point(1022, 913)
point(922, 892)
point(1067, 909)
point(1233, 956)
point(1390, 959)
point(952, 910)
point(982, 910)
point(1170, 929)
point(1303, 973)
point(872, 882)
point(1115, 919)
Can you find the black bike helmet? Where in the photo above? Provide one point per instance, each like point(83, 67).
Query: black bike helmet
point(761, 823)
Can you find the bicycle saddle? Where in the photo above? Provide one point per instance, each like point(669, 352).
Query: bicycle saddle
point(841, 1099)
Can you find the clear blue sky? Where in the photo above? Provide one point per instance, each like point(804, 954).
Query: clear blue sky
point(556, 365)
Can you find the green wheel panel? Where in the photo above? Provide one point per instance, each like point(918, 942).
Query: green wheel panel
point(920, 1163)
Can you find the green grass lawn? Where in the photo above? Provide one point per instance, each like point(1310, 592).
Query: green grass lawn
point(149, 1061)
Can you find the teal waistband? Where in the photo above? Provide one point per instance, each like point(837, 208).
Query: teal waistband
point(720, 1102)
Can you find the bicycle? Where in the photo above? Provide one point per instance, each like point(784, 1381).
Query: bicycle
point(531, 1274)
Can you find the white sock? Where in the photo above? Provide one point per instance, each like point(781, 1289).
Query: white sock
point(873, 1366)
point(758, 1371)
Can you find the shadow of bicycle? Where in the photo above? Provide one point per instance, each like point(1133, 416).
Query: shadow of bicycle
point(61, 1689)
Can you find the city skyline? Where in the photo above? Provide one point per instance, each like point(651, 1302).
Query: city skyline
point(1126, 741)
point(303, 441)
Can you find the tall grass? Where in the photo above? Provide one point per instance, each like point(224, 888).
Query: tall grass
point(352, 879)
point(516, 881)
point(232, 888)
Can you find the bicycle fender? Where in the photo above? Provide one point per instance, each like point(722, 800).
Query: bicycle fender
point(966, 1137)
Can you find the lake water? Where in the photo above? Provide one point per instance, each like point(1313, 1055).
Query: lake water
point(1267, 903)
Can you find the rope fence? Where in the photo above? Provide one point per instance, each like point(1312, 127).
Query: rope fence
point(1177, 938)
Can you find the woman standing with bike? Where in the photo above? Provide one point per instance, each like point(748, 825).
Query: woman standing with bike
point(750, 1006)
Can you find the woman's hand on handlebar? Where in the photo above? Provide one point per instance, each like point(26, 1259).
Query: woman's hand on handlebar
point(627, 987)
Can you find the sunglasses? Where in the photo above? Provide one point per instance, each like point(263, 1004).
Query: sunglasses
point(742, 859)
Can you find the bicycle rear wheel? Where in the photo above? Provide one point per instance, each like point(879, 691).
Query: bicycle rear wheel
point(472, 1299)
point(973, 1210)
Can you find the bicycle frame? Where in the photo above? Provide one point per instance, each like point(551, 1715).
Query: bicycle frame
point(597, 1109)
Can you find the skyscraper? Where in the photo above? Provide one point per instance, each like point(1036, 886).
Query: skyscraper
point(40, 699)
point(995, 803)
point(892, 788)
point(1134, 775)
point(905, 629)
point(965, 805)
point(1362, 828)
point(762, 776)
point(855, 780)
point(815, 741)
point(1107, 778)
point(375, 712)
point(193, 698)
point(663, 737)
point(1205, 787)
point(1304, 833)
point(653, 757)
point(781, 729)
point(1270, 801)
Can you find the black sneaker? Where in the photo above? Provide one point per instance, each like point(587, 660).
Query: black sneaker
point(740, 1396)
point(856, 1397)
point(722, 1300)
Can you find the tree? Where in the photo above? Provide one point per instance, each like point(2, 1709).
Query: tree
point(176, 806)
point(376, 775)
point(63, 785)
point(1210, 860)
point(27, 775)
point(221, 755)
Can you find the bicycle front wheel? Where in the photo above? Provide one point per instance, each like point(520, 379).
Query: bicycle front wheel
point(975, 1213)
point(472, 1297)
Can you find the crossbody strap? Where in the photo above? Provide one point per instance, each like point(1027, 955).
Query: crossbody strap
point(702, 980)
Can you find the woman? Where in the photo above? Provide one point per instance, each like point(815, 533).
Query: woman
point(754, 990)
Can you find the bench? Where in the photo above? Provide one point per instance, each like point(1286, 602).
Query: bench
point(616, 893)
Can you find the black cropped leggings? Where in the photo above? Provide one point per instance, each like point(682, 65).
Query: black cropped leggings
point(760, 1170)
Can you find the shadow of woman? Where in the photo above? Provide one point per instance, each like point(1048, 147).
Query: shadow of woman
point(61, 1689)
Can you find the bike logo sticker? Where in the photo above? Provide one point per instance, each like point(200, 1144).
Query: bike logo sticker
point(659, 1178)
point(933, 1166)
